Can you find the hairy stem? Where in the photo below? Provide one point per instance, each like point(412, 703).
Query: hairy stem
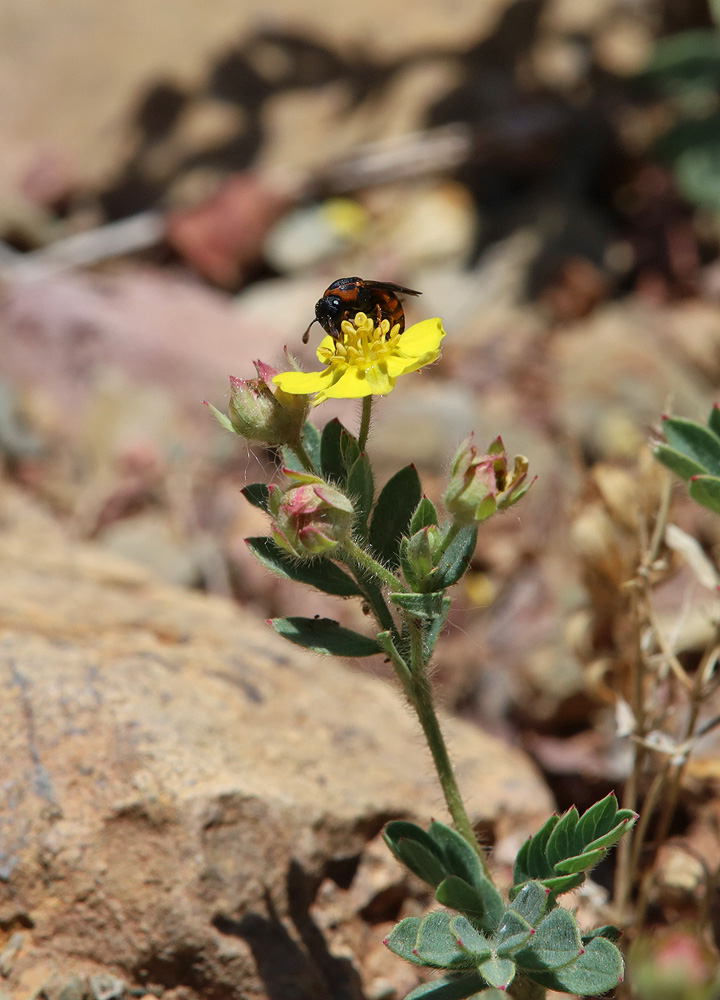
point(423, 705)
point(372, 566)
point(365, 417)
point(298, 449)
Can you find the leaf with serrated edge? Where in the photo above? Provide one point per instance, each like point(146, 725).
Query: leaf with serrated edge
point(402, 938)
point(582, 863)
point(436, 944)
point(598, 969)
point(469, 938)
point(323, 635)
point(498, 972)
point(595, 822)
point(555, 943)
point(531, 902)
point(479, 903)
point(319, 573)
point(453, 987)
point(561, 842)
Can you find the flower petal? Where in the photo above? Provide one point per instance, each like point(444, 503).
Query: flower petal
point(301, 383)
point(422, 337)
point(352, 384)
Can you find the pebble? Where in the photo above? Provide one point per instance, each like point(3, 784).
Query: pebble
point(103, 986)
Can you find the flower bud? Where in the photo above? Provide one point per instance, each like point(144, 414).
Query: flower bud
point(480, 484)
point(311, 518)
point(417, 554)
point(260, 414)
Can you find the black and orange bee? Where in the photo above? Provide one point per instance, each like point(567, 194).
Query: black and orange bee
point(348, 296)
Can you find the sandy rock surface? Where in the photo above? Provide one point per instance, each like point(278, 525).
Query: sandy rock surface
point(178, 782)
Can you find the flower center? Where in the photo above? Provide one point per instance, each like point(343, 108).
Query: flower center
point(363, 344)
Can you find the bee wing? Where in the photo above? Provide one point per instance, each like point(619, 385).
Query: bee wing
point(390, 286)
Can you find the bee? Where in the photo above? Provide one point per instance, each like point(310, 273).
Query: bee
point(348, 296)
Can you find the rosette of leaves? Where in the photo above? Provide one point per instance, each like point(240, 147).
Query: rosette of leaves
point(692, 451)
point(486, 945)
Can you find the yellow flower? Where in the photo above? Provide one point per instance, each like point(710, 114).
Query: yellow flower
point(367, 360)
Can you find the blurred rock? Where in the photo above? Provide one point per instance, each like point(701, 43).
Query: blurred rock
point(309, 235)
point(181, 781)
point(222, 238)
point(149, 539)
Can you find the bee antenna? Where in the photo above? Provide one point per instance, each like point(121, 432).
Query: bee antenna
point(306, 335)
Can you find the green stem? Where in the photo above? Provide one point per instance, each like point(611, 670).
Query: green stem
point(372, 566)
point(365, 417)
point(423, 705)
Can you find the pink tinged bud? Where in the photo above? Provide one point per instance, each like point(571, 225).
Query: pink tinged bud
point(259, 414)
point(310, 519)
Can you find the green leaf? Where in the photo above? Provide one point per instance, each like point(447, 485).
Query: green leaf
point(349, 448)
point(311, 442)
point(455, 560)
point(324, 635)
point(555, 943)
point(428, 606)
point(498, 972)
point(531, 902)
point(611, 838)
point(598, 969)
point(319, 573)
point(453, 987)
point(595, 822)
point(221, 418)
point(432, 630)
point(581, 863)
point(483, 903)
point(714, 420)
point(514, 931)
point(291, 460)
point(470, 939)
point(561, 841)
point(459, 856)
point(563, 883)
point(706, 490)
point(694, 440)
point(425, 515)
point(258, 494)
point(608, 931)
point(331, 458)
point(402, 938)
point(678, 463)
point(437, 945)
point(538, 865)
point(400, 829)
point(421, 861)
point(361, 489)
point(393, 511)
